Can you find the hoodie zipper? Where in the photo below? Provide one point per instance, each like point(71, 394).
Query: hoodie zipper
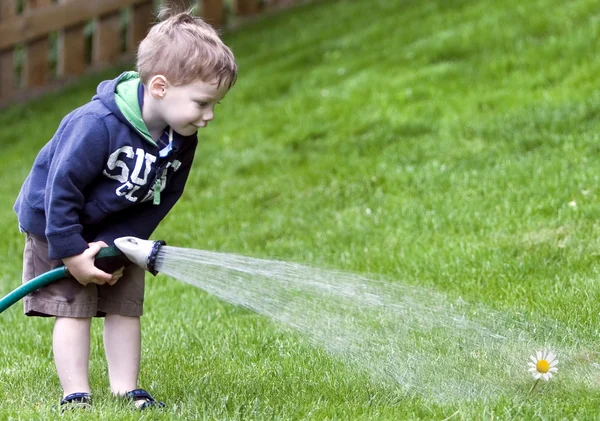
point(161, 171)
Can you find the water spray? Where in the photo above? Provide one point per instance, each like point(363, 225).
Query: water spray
point(410, 336)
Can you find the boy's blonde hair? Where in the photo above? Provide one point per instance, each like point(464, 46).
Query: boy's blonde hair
point(184, 48)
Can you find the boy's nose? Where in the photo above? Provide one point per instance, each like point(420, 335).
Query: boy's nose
point(208, 115)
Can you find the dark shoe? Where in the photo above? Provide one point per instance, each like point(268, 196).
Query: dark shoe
point(76, 401)
point(142, 399)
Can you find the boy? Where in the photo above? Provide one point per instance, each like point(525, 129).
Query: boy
point(115, 167)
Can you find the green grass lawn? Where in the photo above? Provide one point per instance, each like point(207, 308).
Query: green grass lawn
point(449, 144)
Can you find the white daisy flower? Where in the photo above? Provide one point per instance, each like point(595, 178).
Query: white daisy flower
point(542, 365)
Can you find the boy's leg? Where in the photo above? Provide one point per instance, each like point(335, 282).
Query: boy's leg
point(72, 304)
point(122, 343)
point(71, 347)
point(123, 305)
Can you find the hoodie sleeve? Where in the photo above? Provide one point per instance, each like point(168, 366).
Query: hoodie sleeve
point(141, 220)
point(78, 158)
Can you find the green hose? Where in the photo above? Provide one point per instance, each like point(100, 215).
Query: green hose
point(108, 259)
point(36, 283)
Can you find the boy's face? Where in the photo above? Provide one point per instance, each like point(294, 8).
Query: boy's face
point(186, 108)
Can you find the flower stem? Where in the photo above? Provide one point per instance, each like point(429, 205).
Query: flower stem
point(533, 387)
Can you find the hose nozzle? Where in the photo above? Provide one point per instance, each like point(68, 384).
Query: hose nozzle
point(141, 252)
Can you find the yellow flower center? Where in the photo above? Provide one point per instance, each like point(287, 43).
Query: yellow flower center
point(542, 366)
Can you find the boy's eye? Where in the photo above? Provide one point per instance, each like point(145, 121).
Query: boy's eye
point(202, 104)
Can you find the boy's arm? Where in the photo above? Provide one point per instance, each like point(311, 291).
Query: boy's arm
point(78, 159)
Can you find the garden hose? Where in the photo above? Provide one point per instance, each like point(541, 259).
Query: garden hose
point(108, 259)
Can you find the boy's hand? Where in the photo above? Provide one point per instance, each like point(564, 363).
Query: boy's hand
point(116, 276)
point(82, 267)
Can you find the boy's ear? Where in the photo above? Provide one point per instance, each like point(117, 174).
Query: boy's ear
point(158, 86)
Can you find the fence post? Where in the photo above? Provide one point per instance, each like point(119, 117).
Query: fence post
point(213, 12)
point(8, 8)
point(106, 44)
point(141, 20)
point(71, 50)
point(247, 7)
point(36, 54)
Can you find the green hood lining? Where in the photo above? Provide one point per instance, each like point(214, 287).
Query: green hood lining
point(126, 97)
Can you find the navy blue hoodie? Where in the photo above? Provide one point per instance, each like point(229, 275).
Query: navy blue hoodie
point(102, 176)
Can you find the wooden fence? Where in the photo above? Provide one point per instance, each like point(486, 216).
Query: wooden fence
point(46, 42)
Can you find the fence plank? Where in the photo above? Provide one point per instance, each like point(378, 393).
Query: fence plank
point(8, 9)
point(213, 12)
point(141, 19)
point(35, 64)
point(36, 53)
point(71, 50)
point(247, 7)
point(38, 22)
point(7, 74)
point(106, 45)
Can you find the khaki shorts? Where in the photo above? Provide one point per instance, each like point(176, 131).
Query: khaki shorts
point(68, 298)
